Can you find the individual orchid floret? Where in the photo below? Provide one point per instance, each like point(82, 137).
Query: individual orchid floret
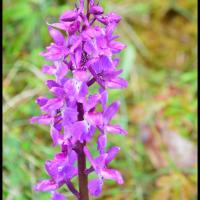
point(82, 53)
point(60, 169)
point(99, 165)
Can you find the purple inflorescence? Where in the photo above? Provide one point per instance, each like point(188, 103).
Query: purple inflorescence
point(82, 54)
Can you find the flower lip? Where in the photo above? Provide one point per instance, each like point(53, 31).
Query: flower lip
point(57, 36)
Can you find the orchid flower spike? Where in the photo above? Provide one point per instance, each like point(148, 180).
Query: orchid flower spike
point(82, 54)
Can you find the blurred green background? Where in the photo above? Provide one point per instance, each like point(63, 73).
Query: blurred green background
point(159, 108)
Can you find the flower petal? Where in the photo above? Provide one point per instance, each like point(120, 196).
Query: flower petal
point(102, 44)
point(111, 154)
point(117, 83)
point(103, 64)
point(41, 101)
point(62, 26)
point(112, 174)
point(52, 83)
point(95, 187)
point(70, 115)
point(94, 118)
point(46, 185)
point(88, 154)
point(49, 69)
point(82, 92)
point(115, 129)
point(58, 91)
point(79, 130)
point(112, 74)
point(91, 102)
point(117, 46)
point(90, 133)
point(71, 86)
point(72, 157)
point(52, 105)
point(89, 47)
point(43, 119)
point(99, 162)
point(57, 36)
point(96, 10)
point(69, 172)
point(53, 167)
point(110, 111)
point(62, 70)
point(54, 52)
point(69, 16)
point(104, 99)
point(113, 17)
point(81, 75)
point(101, 143)
point(56, 136)
point(57, 196)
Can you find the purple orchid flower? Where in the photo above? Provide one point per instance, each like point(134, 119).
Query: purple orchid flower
point(99, 165)
point(60, 169)
point(82, 54)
